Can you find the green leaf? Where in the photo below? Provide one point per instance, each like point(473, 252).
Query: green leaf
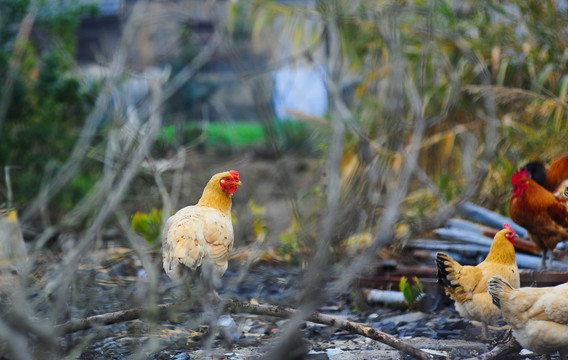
point(502, 71)
point(148, 225)
point(563, 87)
point(543, 77)
point(410, 290)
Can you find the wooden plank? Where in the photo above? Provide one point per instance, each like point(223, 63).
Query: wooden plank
point(465, 235)
point(389, 280)
point(521, 243)
point(542, 278)
point(465, 253)
point(489, 217)
point(471, 226)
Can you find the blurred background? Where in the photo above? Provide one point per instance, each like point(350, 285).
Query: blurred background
point(356, 126)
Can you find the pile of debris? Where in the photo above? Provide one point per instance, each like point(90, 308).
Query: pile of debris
point(467, 240)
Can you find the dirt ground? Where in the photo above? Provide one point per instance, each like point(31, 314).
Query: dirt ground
point(276, 185)
point(357, 349)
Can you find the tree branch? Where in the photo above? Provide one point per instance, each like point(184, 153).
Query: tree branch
point(116, 317)
point(504, 350)
point(238, 307)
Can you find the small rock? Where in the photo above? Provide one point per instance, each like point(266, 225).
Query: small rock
point(181, 356)
point(405, 318)
point(333, 351)
point(228, 327)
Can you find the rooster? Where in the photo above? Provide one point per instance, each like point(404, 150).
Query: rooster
point(202, 234)
point(537, 316)
point(467, 285)
point(540, 212)
point(549, 176)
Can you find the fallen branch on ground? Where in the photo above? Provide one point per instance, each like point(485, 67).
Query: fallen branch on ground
point(235, 306)
point(238, 307)
point(75, 325)
point(505, 350)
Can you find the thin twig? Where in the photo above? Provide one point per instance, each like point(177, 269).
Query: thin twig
point(237, 307)
point(115, 317)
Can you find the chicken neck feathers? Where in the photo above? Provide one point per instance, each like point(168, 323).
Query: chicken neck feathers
point(214, 197)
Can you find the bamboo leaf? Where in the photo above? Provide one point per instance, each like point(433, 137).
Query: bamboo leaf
point(298, 35)
point(502, 72)
point(542, 77)
point(563, 88)
point(231, 19)
point(262, 18)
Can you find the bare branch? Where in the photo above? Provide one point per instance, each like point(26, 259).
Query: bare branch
point(75, 325)
point(238, 307)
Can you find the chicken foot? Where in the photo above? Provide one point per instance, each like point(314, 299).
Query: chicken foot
point(544, 258)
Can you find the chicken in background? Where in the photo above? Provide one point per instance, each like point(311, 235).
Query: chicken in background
point(467, 285)
point(12, 246)
point(540, 212)
point(537, 316)
point(551, 176)
point(202, 234)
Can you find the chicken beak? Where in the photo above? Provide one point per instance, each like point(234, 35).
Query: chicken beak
point(238, 183)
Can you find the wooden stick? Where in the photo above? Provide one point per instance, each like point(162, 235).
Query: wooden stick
point(75, 325)
point(238, 307)
point(504, 350)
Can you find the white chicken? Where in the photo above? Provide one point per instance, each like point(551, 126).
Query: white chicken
point(538, 316)
point(202, 234)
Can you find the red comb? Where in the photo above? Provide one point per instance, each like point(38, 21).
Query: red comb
point(235, 174)
point(510, 236)
point(518, 175)
point(508, 227)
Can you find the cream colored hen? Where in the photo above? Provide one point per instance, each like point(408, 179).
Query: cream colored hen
point(538, 316)
point(202, 234)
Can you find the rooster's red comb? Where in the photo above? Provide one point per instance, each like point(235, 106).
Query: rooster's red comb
point(518, 175)
point(235, 174)
point(508, 227)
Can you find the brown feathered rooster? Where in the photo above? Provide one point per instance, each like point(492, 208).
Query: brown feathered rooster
point(467, 285)
point(540, 212)
point(202, 234)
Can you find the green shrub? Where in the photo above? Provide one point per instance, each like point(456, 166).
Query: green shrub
point(148, 225)
point(233, 135)
point(47, 106)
